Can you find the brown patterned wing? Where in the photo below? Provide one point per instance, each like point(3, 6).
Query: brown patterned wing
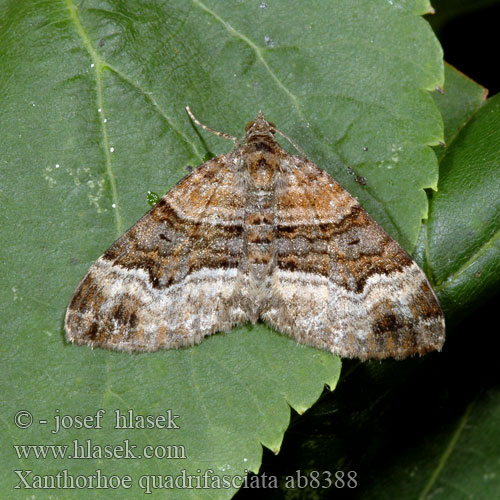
point(340, 282)
point(172, 278)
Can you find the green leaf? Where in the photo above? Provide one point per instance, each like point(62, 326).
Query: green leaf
point(454, 472)
point(93, 97)
point(462, 235)
point(461, 98)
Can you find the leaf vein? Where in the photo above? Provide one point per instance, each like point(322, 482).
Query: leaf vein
point(447, 452)
point(257, 51)
point(470, 262)
point(97, 65)
point(152, 101)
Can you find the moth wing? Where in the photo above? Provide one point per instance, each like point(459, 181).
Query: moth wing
point(340, 282)
point(174, 276)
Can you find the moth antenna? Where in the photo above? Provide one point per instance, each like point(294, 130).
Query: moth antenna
point(291, 142)
point(208, 129)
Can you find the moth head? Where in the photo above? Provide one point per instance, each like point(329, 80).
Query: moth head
point(260, 127)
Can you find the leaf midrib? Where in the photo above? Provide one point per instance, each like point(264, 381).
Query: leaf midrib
point(97, 66)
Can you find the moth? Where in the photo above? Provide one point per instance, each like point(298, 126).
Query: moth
point(257, 234)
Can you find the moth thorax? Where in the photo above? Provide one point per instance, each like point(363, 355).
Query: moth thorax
point(261, 168)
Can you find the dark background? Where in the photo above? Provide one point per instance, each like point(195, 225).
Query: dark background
point(380, 411)
point(469, 31)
